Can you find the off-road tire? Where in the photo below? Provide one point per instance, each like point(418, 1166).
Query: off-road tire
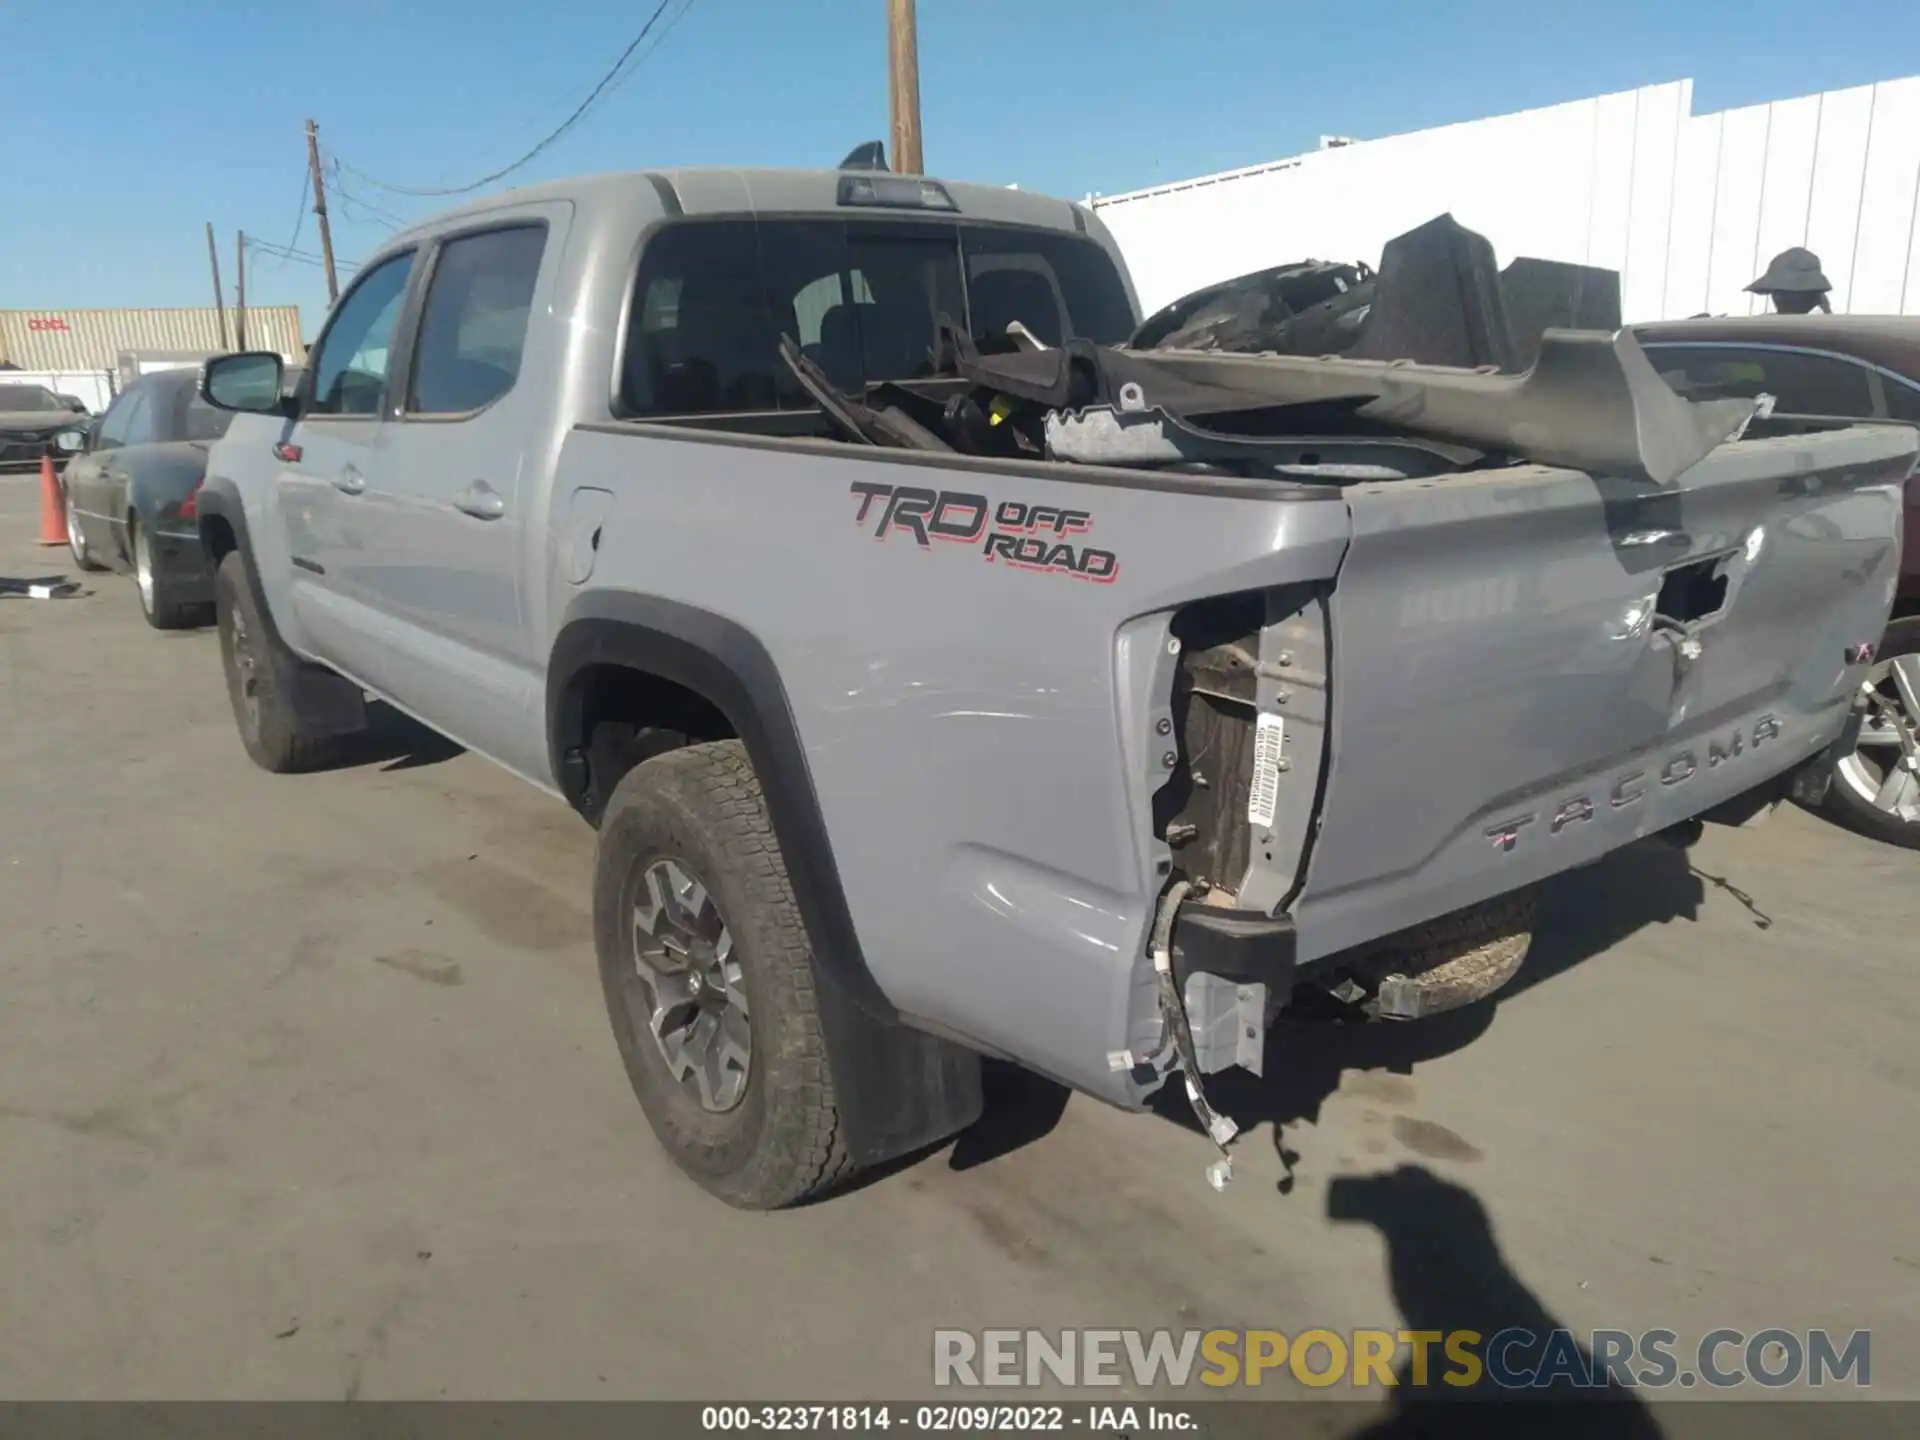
point(702, 806)
point(269, 728)
point(1463, 957)
point(1842, 803)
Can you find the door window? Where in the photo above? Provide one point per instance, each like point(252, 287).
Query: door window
point(121, 416)
point(1801, 383)
point(473, 327)
point(350, 367)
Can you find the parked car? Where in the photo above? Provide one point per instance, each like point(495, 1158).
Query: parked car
point(130, 490)
point(1854, 367)
point(945, 680)
point(30, 416)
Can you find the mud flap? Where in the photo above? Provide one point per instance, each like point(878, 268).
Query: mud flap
point(897, 1088)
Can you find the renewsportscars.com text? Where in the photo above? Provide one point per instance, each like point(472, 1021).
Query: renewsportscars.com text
point(1511, 1359)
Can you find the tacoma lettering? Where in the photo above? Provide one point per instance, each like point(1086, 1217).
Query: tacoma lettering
point(1630, 788)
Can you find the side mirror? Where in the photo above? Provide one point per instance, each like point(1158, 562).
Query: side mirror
point(248, 382)
point(70, 442)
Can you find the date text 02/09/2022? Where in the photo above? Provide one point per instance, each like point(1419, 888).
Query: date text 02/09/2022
point(977, 1419)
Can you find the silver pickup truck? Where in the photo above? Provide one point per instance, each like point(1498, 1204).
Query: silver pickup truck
point(946, 678)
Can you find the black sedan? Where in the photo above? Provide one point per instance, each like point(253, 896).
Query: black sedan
point(30, 416)
point(130, 492)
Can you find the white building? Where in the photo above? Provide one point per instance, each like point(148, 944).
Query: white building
point(1689, 208)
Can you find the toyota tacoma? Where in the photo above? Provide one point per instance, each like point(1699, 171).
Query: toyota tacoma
point(948, 678)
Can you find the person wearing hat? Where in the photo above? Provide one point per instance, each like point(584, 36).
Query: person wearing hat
point(1795, 283)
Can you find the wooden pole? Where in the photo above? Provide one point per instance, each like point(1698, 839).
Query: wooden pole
point(240, 290)
point(320, 210)
point(903, 86)
point(219, 300)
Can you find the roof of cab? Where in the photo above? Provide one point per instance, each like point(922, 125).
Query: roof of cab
point(788, 192)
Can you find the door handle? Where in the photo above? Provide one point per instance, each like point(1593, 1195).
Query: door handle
point(350, 481)
point(481, 501)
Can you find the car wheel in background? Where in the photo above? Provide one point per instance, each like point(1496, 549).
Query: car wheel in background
point(161, 614)
point(1876, 786)
point(76, 542)
point(709, 980)
point(259, 673)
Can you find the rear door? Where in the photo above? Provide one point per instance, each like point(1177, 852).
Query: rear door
point(446, 527)
point(324, 463)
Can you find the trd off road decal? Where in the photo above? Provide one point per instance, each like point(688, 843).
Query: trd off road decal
point(1027, 537)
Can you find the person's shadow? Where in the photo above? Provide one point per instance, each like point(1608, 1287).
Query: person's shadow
point(1448, 1274)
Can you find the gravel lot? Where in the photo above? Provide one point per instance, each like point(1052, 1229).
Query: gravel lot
point(306, 1090)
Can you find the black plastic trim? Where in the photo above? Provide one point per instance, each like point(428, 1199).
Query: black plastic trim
point(1243, 946)
point(325, 703)
point(724, 663)
point(220, 500)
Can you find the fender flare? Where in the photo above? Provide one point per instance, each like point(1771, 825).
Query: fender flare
point(897, 1086)
point(728, 666)
point(325, 703)
point(219, 499)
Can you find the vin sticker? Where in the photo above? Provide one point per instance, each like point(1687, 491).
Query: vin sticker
point(1264, 798)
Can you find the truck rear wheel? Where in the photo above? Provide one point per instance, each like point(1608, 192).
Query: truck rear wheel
point(709, 980)
point(259, 671)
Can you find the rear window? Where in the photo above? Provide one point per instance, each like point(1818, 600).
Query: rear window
point(860, 298)
point(29, 397)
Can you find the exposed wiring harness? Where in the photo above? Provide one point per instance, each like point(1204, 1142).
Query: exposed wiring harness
point(1173, 1012)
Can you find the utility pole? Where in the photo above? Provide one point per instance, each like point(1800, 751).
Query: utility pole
point(219, 300)
point(903, 86)
point(240, 290)
point(320, 210)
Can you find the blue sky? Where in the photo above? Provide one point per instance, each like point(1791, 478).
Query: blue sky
point(126, 124)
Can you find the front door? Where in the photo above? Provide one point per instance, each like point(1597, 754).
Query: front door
point(447, 493)
point(326, 461)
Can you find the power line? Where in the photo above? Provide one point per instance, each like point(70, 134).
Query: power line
point(300, 213)
point(607, 81)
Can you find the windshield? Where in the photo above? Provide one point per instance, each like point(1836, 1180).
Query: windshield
point(29, 397)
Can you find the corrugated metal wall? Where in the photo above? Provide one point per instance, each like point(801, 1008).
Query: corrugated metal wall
point(1688, 207)
point(95, 339)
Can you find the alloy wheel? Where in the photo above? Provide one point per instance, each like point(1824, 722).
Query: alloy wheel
point(689, 991)
point(143, 567)
point(244, 664)
point(1884, 768)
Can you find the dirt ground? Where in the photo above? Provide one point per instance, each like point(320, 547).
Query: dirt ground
point(306, 1090)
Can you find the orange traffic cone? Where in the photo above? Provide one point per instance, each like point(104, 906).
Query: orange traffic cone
point(53, 510)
